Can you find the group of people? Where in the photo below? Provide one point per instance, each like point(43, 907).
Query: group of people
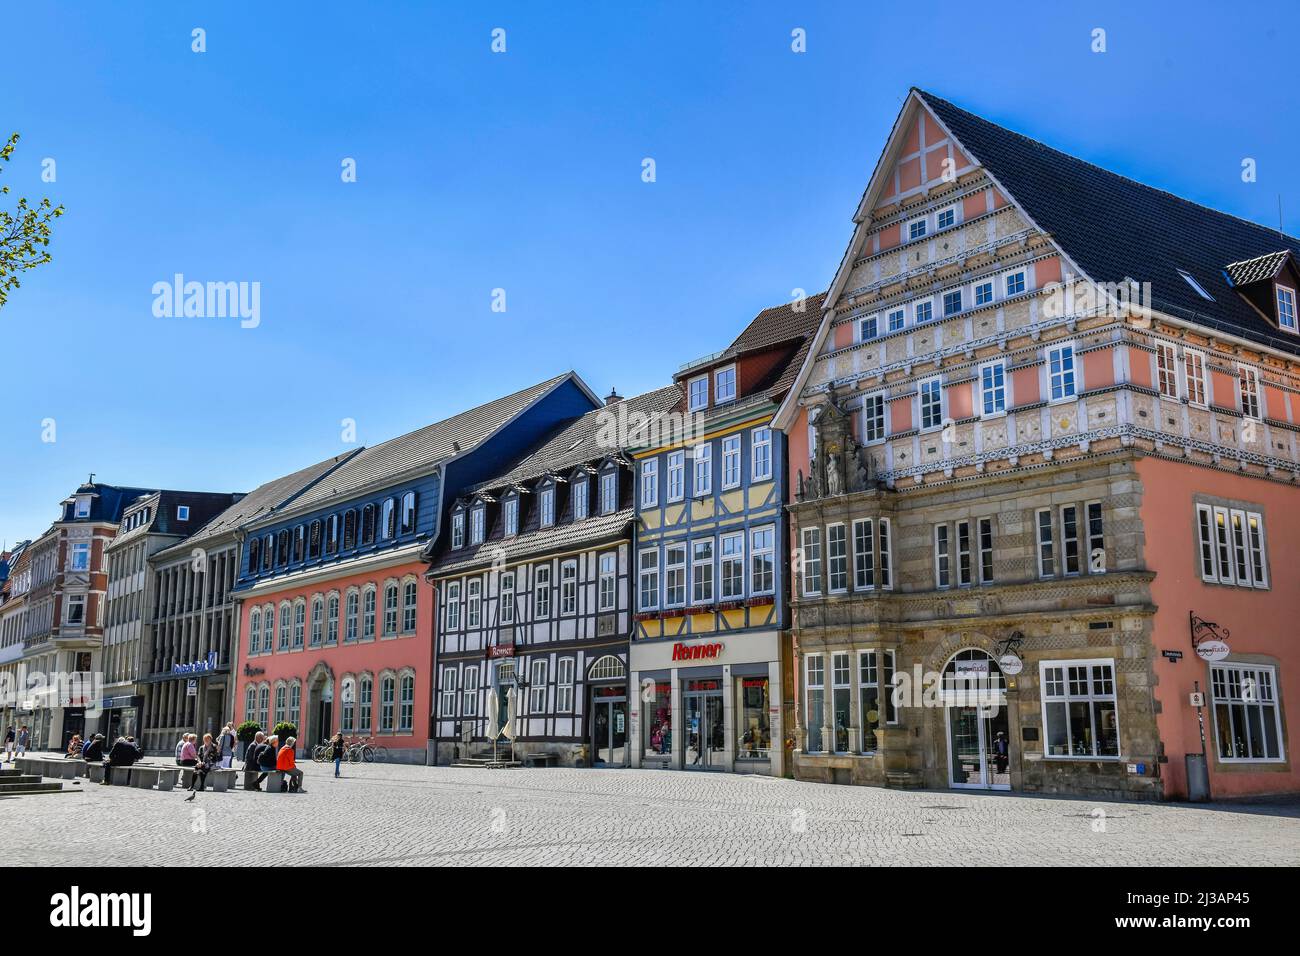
point(20, 740)
point(264, 755)
point(122, 753)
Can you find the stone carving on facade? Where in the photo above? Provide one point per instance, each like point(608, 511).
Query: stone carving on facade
point(840, 464)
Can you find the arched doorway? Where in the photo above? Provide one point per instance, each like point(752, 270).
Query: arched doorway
point(607, 678)
point(975, 714)
point(320, 706)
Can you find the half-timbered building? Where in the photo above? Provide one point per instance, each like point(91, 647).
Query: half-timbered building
point(535, 596)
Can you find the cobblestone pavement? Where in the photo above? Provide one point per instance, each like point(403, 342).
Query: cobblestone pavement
point(385, 815)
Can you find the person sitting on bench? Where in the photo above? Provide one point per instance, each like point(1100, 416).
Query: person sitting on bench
point(94, 749)
point(285, 763)
point(251, 754)
point(266, 758)
point(123, 754)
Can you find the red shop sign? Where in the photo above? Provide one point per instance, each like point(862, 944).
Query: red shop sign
point(696, 652)
point(501, 650)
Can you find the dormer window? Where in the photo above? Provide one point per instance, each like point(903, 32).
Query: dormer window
point(388, 519)
point(83, 506)
point(368, 524)
point(1286, 317)
point(408, 512)
point(476, 525)
point(699, 393)
point(609, 492)
point(724, 385)
point(458, 530)
point(579, 498)
point(182, 512)
point(546, 504)
point(512, 516)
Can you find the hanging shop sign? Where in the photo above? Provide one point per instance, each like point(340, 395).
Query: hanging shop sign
point(1011, 664)
point(1209, 640)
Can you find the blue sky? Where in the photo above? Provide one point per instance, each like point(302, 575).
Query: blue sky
point(519, 171)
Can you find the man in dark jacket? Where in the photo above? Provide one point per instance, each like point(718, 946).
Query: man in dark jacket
point(266, 758)
point(94, 748)
point(123, 754)
point(251, 753)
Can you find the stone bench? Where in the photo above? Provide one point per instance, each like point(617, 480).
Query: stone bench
point(219, 778)
point(147, 777)
point(274, 779)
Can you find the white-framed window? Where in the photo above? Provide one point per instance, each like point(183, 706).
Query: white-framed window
point(254, 631)
point(1166, 370)
point(812, 560)
point(537, 687)
point(469, 695)
point(864, 555)
point(993, 388)
point(877, 696)
point(299, 623)
point(452, 612)
point(897, 319)
point(1080, 716)
point(946, 218)
point(952, 302)
point(760, 454)
point(982, 293)
point(473, 603)
point(703, 456)
point(916, 229)
point(1060, 371)
point(698, 390)
point(547, 505)
point(1231, 546)
point(569, 587)
point(869, 327)
point(1248, 389)
point(1194, 376)
point(458, 530)
point(368, 614)
point(942, 557)
point(1096, 537)
point(83, 507)
point(648, 579)
point(837, 558)
point(676, 476)
point(923, 311)
point(675, 575)
point(76, 612)
point(931, 391)
point(731, 461)
point(815, 694)
point(1286, 316)
point(506, 599)
point(840, 696)
point(649, 482)
point(511, 516)
point(286, 623)
point(702, 571)
point(985, 530)
point(724, 385)
point(884, 552)
point(388, 519)
point(1047, 543)
point(408, 513)
point(762, 560)
point(578, 498)
point(1014, 282)
point(965, 570)
point(542, 591)
point(1070, 539)
point(476, 525)
point(732, 565)
point(182, 512)
point(607, 588)
point(873, 417)
point(1247, 719)
point(609, 492)
point(79, 556)
point(410, 594)
point(564, 669)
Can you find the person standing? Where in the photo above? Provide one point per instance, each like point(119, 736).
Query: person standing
point(24, 738)
point(9, 743)
point(227, 745)
point(339, 747)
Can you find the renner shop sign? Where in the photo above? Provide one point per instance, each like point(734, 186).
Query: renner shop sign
point(696, 652)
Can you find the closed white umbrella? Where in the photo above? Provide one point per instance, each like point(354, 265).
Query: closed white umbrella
point(493, 709)
point(512, 709)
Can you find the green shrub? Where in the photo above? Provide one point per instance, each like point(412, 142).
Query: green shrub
point(247, 730)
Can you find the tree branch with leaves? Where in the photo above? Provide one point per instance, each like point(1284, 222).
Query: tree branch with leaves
point(24, 232)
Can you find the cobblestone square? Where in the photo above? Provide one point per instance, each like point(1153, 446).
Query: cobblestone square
point(391, 815)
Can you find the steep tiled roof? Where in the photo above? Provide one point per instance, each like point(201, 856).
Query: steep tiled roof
point(781, 323)
point(588, 531)
point(1115, 228)
point(259, 502)
point(426, 447)
point(583, 439)
point(1254, 270)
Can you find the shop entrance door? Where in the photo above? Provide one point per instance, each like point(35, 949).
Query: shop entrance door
point(705, 733)
point(608, 727)
point(978, 748)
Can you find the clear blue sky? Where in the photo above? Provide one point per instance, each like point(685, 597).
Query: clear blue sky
point(519, 171)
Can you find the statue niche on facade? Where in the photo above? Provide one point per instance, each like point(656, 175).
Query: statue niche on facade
point(840, 464)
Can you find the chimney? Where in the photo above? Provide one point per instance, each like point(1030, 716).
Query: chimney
point(613, 397)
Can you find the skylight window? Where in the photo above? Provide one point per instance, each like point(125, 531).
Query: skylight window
point(1200, 289)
